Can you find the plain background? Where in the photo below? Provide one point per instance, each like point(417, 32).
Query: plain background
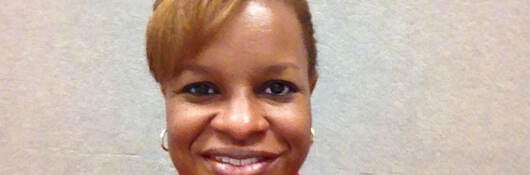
point(406, 87)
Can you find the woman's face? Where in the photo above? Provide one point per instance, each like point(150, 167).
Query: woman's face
point(242, 105)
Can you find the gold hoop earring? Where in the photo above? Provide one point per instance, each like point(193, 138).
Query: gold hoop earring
point(162, 138)
point(312, 134)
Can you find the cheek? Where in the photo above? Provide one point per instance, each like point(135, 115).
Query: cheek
point(291, 121)
point(292, 124)
point(184, 123)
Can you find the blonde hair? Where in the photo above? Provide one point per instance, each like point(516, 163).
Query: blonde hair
point(178, 29)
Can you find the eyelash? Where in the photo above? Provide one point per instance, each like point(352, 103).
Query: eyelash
point(291, 88)
point(192, 89)
point(288, 89)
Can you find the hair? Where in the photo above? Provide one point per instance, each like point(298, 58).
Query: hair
point(179, 29)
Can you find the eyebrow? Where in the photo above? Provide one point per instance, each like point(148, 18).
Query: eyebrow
point(272, 69)
point(200, 69)
point(279, 68)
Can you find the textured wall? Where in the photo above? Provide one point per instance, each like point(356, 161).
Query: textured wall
point(406, 87)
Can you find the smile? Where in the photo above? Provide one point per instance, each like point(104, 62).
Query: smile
point(238, 162)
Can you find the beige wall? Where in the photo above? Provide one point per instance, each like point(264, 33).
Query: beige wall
point(406, 87)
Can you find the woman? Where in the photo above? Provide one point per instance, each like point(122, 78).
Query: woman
point(236, 76)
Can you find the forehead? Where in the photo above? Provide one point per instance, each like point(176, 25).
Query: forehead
point(263, 32)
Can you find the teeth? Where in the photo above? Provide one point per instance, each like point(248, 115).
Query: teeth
point(237, 162)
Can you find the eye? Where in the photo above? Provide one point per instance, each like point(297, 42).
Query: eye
point(200, 89)
point(279, 88)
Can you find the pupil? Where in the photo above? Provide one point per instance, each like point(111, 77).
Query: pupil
point(202, 89)
point(277, 88)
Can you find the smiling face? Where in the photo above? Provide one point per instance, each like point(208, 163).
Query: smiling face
point(242, 105)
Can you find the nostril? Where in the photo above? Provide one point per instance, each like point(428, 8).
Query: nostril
point(240, 129)
point(241, 117)
point(242, 132)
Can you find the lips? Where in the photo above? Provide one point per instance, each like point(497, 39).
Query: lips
point(239, 162)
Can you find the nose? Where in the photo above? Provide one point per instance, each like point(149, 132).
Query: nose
point(241, 118)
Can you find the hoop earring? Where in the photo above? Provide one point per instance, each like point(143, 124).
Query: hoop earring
point(312, 134)
point(162, 138)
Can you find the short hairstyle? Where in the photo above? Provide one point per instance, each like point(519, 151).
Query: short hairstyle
point(179, 29)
